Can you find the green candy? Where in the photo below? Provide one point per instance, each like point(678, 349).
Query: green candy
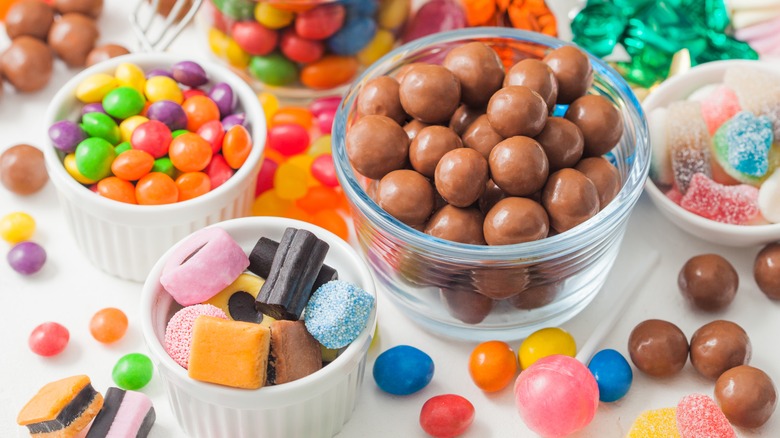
point(178, 132)
point(164, 165)
point(123, 102)
point(236, 9)
point(94, 157)
point(273, 69)
point(122, 147)
point(598, 27)
point(102, 126)
point(133, 371)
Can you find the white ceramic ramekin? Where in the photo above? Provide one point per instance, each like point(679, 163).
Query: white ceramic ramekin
point(316, 406)
point(123, 239)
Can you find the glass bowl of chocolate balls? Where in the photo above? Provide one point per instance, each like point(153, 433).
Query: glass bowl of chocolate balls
point(491, 173)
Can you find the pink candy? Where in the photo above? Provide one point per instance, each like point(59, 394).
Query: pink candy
point(726, 204)
point(719, 106)
point(178, 333)
point(699, 417)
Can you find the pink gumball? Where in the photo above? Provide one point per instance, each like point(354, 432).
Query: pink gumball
point(556, 396)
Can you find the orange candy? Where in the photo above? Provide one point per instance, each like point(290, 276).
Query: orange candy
point(480, 12)
point(132, 164)
point(532, 15)
point(236, 146)
point(329, 72)
point(199, 110)
point(190, 152)
point(295, 212)
point(319, 198)
point(492, 365)
point(108, 325)
point(293, 116)
point(333, 222)
point(156, 188)
point(117, 189)
point(192, 184)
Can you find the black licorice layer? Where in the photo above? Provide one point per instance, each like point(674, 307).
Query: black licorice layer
point(68, 414)
point(262, 256)
point(105, 418)
point(147, 424)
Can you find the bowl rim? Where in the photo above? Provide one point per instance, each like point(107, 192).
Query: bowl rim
point(566, 242)
point(268, 396)
point(246, 97)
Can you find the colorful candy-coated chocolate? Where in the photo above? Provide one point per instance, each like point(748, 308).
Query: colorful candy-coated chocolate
point(236, 146)
point(265, 178)
point(108, 325)
point(129, 125)
point(323, 169)
point(447, 415)
point(270, 204)
point(270, 104)
point(49, 339)
point(17, 227)
point(356, 33)
point(26, 258)
point(95, 87)
point(222, 94)
point(218, 171)
point(272, 17)
point(299, 49)
point(191, 153)
point(189, 73)
point(319, 198)
point(94, 157)
point(164, 165)
point(293, 116)
point(117, 189)
point(320, 22)
point(325, 104)
point(159, 88)
point(329, 72)
point(254, 38)
point(169, 113)
point(273, 69)
point(65, 135)
point(102, 126)
point(132, 371)
point(543, 343)
point(403, 370)
point(233, 120)
point(290, 181)
point(123, 102)
point(122, 147)
point(378, 47)
point(325, 122)
point(435, 16)
point(199, 110)
point(130, 75)
point(492, 365)
point(192, 184)
point(153, 137)
point(156, 188)
point(132, 164)
point(214, 133)
point(612, 373)
point(69, 162)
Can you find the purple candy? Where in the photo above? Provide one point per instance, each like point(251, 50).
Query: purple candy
point(325, 104)
point(169, 113)
point(66, 135)
point(27, 258)
point(190, 74)
point(158, 72)
point(233, 120)
point(433, 17)
point(325, 121)
point(224, 97)
point(92, 108)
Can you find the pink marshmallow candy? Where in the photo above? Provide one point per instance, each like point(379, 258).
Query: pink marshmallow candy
point(178, 333)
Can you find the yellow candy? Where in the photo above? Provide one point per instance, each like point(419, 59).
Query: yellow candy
point(320, 146)
point(17, 227)
point(163, 88)
point(655, 424)
point(270, 104)
point(236, 56)
point(393, 13)
point(246, 283)
point(130, 75)
point(128, 125)
point(378, 47)
point(303, 161)
point(272, 17)
point(70, 166)
point(218, 42)
point(543, 343)
point(94, 88)
point(291, 181)
point(270, 204)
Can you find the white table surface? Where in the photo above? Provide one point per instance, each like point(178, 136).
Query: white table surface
point(69, 290)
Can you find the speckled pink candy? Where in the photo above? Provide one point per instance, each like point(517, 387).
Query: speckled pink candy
point(698, 416)
point(178, 333)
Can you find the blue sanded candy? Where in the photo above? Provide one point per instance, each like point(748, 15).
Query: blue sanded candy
point(403, 370)
point(337, 312)
point(353, 37)
point(613, 374)
point(749, 139)
point(168, 112)
point(65, 135)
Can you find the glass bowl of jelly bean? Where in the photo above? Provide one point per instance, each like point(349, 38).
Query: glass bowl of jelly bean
point(481, 292)
point(716, 178)
point(126, 195)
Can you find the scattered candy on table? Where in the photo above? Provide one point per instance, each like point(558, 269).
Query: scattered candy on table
point(492, 365)
point(655, 423)
point(26, 258)
point(612, 373)
point(132, 371)
point(17, 227)
point(746, 395)
point(22, 169)
point(658, 348)
point(543, 343)
point(766, 270)
point(63, 408)
point(718, 346)
point(403, 370)
point(126, 413)
point(709, 282)
point(108, 325)
point(699, 417)
point(49, 339)
point(446, 416)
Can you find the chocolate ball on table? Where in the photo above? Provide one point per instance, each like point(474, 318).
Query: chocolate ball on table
point(104, 53)
point(479, 70)
point(537, 76)
point(708, 281)
point(29, 17)
point(719, 346)
point(72, 37)
point(463, 117)
point(462, 225)
point(414, 127)
point(570, 199)
point(380, 97)
point(376, 146)
point(481, 136)
point(658, 348)
point(572, 70)
point(517, 110)
point(490, 197)
point(90, 8)
point(600, 122)
point(27, 64)
point(22, 169)
point(429, 146)
point(406, 195)
point(605, 177)
point(515, 220)
point(430, 93)
point(746, 395)
point(518, 165)
point(461, 176)
point(766, 270)
point(562, 142)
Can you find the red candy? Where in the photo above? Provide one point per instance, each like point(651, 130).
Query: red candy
point(698, 416)
point(320, 22)
point(726, 204)
point(199, 110)
point(153, 137)
point(325, 105)
point(324, 171)
point(300, 49)
point(446, 416)
point(325, 122)
point(265, 178)
point(49, 339)
point(218, 171)
point(254, 38)
point(192, 92)
point(236, 146)
point(213, 133)
point(190, 153)
point(288, 140)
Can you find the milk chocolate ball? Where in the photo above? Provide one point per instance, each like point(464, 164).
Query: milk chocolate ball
point(72, 37)
point(517, 110)
point(605, 177)
point(401, 73)
point(519, 166)
point(376, 146)
point(537, 76)
point(600, 122)
point(479, 70)
point(29, 17)
point(490, 197)
point(515, 220)
point(708, 281)
point(465, 304)
point(562, 142)
point(572, 70)
point(535, 297)
point(462, 225)
point(166, 6)
point(570, 199)
point(414, 127)
point(746, 395)
point(481, 136)
point(658, 348)
point(22, 169)
point(380, 97)
point(104, 53)
point(463, 117)
point(27, 64)
point(406, 195)
point(461, 176)
point(766, 270)
point(90, 8)
point(719, 346)
point(430, 93)
point(429, 146)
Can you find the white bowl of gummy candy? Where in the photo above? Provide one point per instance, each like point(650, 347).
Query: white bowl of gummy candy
point(236, 356)
point(715, 132)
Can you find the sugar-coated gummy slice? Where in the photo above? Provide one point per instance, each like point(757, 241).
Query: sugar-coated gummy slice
point(698, 416)
point(726, 204)
point(262, 256)
point(238, 300)
point(688, 141)
point(674, 195)
point(702, 93)
point(657, 423)
point(294, 352)
point(337, 312)
point(178, 333)
point(720, 153)
point(661, 161)
point(62, 408)
point(718, 106)
point(769, 198)
point(758, 91)
point(749, 140)
point(125, 414)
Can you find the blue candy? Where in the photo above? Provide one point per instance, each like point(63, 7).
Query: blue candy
point(337, 312)
point(749, 139)
point(403, 370)
point(363, 8)
point(560, 110)
point(353, 37)
point(613, 374)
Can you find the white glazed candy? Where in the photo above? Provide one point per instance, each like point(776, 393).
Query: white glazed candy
point(769, 198)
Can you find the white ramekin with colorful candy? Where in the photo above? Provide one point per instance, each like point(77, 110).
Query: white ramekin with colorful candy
point(146, 148)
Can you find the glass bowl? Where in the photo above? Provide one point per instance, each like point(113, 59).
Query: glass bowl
point(494, 292)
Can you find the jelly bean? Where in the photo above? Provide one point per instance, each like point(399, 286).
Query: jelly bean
point(218, 171)
point(132, 165)
point(492, 365)
point(293, 116)
point(128, 125)
point(274, 156)
point(270, 204)
point(222, 95)
point(403, 370)
point(233, 120)
point(94, 157)
point(159, 88)
point(299, 49)
point(317, 199)
point(189, 73)
point(102, 126)
point(333, 222)
point(353, 36)
point(379, 46)
point(446, 416)
point(48, 339)
point(290, 181)
point(325, 104)
point(117, 189)
point(170, 113)
point(133, 371)
point(130, 75)
point(236, 56)
point(26, 258)
point(320, 22)
point(152, 137)
point(199, 110)
point(122, 147)
point(236, 146)
point(95, 87)
point(192, 184)
point(95, 107)
point(164, 165)
point(304, 161)
point(325, 122)
point(254, 38)
point(288, 139)
point(158, 72)
point(273, 69)
point(393, 13)
point(178, 132)
point(108, 325)
point(330, 71)
point(613, 374)
point(218, 42)
point(546, 342)
point(123, 102)
point(294, 212)
point(323, 170)
point(16, 227)
point(190, 153)
point(322, 145)
point(270, 104)
point(272, 17)
point(69, 162)
point(213, 133)
point(156, 188)
point(265, 178)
